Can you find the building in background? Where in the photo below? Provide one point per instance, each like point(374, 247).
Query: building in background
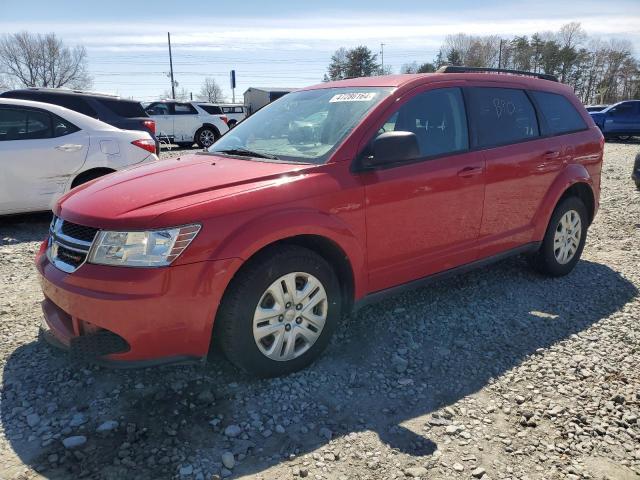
point(255, 97)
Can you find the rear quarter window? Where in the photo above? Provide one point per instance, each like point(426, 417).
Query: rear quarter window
point(500, 116)
point(123, 108)
point(560, 116)
point(213, 110)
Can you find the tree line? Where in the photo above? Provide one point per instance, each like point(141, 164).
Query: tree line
point(600, 72)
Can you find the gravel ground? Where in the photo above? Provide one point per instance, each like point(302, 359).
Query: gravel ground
point(497, 374)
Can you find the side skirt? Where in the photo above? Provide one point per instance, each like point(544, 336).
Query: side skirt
point(421, 282)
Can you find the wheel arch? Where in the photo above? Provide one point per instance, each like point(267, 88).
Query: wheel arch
point(329, 250)
point(90, 174)
point(206, 125)
point(584, 192)
point(575, 180)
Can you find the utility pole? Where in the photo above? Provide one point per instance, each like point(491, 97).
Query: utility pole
point(500, 55)
point(382, 57)
point(173, 85)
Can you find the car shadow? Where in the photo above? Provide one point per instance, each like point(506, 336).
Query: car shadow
point(25, 227)
point(391, 362)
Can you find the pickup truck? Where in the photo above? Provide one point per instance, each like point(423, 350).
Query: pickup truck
point(621, 120)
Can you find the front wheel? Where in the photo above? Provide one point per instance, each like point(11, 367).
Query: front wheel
point(279, 312)
point(205, 137)
point(564, 239)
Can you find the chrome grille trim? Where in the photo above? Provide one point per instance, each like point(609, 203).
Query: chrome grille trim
point(58, 240)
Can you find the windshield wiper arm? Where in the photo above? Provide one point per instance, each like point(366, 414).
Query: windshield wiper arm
point(246, 153)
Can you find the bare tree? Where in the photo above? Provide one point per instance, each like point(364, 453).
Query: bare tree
point(182, 95)
point(35, 60)
point(211, 91)
point(5, 84)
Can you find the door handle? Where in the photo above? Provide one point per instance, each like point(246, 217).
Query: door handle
point(470, 172)
point(69, 147)
point(551, 155)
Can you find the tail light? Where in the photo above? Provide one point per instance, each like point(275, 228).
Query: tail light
point(224, 118)
point(145, 144)
point(150, 125)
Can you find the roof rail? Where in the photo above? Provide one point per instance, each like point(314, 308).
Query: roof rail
point(71, 91)
point(462, 69)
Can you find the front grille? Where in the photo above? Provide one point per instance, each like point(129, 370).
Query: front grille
point(79, 232)
point(71, 257)
point(69, 244)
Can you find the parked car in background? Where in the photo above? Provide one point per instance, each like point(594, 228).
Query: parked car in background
point(45, 150)
point(595, 108)
point(265, 241)
point(186, 123)
point(621, 120)
point(233, 112)
point(635, 173)
point(111, 109)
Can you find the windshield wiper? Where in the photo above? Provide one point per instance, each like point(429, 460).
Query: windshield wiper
point(243, 152)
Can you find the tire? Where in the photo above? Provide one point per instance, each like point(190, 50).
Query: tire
point(231, 124)
point(624, 138)
point(248, 296)
point(548, 260)
point(206, 136)
point(638, 184)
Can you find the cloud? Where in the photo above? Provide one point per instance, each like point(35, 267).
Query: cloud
point(328, 32)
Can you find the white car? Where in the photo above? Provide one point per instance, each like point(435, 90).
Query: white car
point(234, 112)
point(186, 123)
point(45, 150)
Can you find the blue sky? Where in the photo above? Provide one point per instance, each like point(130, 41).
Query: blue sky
point(284, 43)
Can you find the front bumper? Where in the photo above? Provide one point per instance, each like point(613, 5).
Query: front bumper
point(146, 315)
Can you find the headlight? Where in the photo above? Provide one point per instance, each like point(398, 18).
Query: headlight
point(153, 248)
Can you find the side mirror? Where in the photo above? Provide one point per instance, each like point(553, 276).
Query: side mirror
point(392, 147)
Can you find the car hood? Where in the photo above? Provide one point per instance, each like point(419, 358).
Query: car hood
point(136, 197)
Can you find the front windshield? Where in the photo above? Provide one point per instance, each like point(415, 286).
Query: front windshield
point(304, 126)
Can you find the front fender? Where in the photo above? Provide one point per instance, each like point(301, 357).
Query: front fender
point(244, 241)
point(571, 175)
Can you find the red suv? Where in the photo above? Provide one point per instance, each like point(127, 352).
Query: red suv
point(325, 200)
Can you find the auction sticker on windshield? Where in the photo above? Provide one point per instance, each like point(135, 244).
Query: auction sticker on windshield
point(353, 97)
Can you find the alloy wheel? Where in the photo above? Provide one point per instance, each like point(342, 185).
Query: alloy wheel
point(290, 316)
point(207, 138)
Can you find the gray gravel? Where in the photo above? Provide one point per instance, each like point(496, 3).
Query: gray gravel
point(497, 374)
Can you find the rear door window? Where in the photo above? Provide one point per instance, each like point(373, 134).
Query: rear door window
point(184, 109)
point(123, 108)
point(500, 116)
point(559, 114)
point(62, 127)
point(70, 101)
point(38, 125)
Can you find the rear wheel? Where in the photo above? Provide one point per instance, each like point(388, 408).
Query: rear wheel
point(206, 136)
point(624, 138)
point(279, 313)
point(564, 239)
